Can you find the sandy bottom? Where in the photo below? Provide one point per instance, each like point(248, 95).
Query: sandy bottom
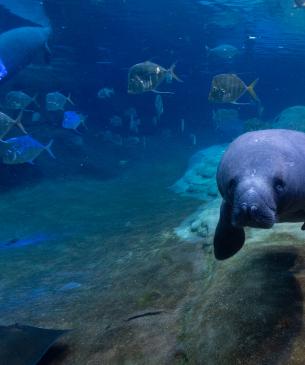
point(87, 254)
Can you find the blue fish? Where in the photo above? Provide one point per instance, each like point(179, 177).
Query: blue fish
point(23, 149)
point(27, 241)
point(72, 120)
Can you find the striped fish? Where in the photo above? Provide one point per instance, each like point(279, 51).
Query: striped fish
point(228, 88)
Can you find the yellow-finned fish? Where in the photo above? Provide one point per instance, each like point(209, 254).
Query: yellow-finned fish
point(228, 88)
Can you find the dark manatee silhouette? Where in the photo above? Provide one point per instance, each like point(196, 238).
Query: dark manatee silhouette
point(261, 178)
point(25, 345)
point(19, 46)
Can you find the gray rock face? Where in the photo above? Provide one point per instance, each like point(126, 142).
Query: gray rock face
point(199, 181)
point(250, 311)
point(291, 118)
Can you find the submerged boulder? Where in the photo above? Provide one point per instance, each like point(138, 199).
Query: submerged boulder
point(291, 118)
point(199, 181)
point(250, 310)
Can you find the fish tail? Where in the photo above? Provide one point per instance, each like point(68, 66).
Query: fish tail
point(171, 71)
point(69, 99)
point(84, 121)
point(251, 91)
point(19, 124)
point(34, 100)
point(48, 149)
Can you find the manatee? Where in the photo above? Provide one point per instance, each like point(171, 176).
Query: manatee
point(261, 178)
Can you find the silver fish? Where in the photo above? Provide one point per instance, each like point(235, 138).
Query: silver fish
point(7, 123)
point(18, 100)
point(57, 101)
point(23, 149)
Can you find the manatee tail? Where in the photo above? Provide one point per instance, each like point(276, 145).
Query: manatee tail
point(251, 91)
point(228, 239)
point(32, 10)
point(48, 149)
point(19, 124)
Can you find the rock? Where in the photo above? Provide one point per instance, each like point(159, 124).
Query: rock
point(201, 225)
point(255, 124)
point(250, 311)
point(199, 181)
point(291, 118)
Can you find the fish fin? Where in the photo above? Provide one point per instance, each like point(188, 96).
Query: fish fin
point(171, 71)
point(69, 99)
point(48, 149)
point(236, 103)
point(19, 124)
point(162, 92)
point(75, 130)
point(34, 100)
point(251, 91)
point(47, 54)
point(84, 122)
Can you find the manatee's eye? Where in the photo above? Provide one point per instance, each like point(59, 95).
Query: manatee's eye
point(232, 185)
point(278, 185)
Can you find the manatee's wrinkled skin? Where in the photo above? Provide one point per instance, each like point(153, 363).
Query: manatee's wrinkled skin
point(261, 178)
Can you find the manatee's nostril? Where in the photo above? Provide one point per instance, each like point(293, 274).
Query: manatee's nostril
point(244, 207)
point(253, 208)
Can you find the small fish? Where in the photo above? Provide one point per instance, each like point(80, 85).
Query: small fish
point(105, 93)
point(147, 76)
point(7, 123)
point(116, 121)
point(228, 88)
point(24, 149)
point(72, 120)
point(134, 125)
point(299, 4)
point(223, 51)
point(57, 101)
point(36, 117)
point(18, 100)
point(159, 106)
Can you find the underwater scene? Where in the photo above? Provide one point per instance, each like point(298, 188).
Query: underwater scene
point(152, 182)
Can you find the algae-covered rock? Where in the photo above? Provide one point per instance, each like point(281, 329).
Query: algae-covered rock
point(250, 311)
point(199, 181)
point(255, 124)
point(291, 118)
point(200, 226)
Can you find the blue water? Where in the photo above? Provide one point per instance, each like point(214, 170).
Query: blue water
point(87, 240)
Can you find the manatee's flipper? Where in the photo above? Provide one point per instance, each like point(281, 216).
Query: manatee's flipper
point(303, 227)
point(25, 345)
point(228, 239)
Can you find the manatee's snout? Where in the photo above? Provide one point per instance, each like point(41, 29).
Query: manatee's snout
point(253, 207)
